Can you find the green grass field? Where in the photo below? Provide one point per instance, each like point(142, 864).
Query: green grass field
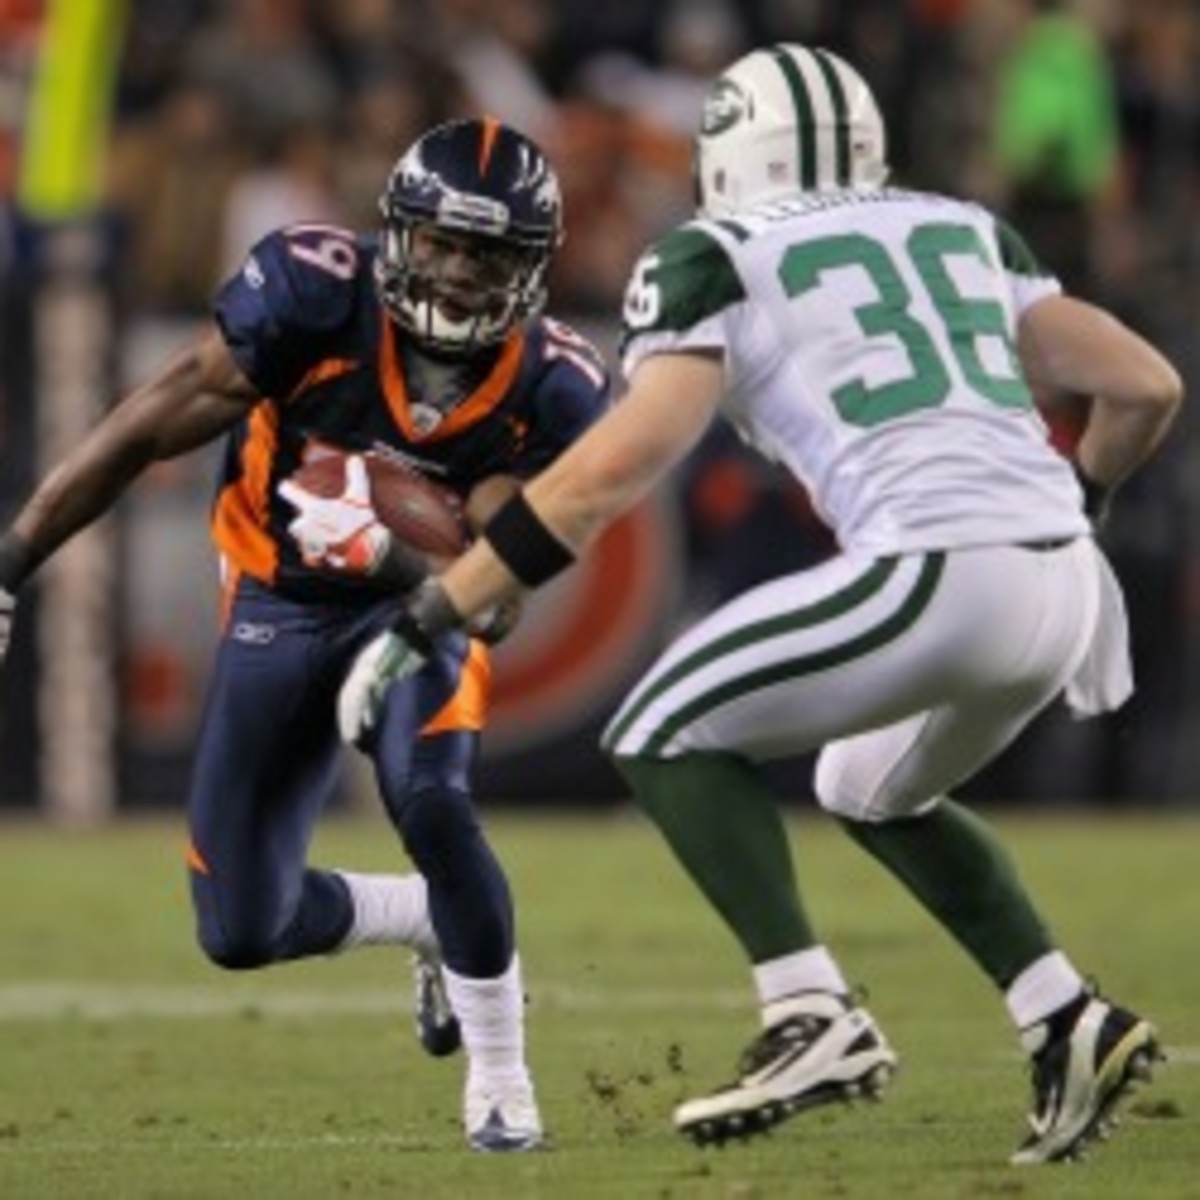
point(129, 1068)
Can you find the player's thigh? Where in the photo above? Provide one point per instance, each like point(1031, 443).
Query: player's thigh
point(850, 646)
point(784, 666)
point(900, 769)
point(268, 752)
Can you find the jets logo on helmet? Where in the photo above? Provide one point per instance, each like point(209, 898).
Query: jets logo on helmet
point(725, 106)
point(784, 120)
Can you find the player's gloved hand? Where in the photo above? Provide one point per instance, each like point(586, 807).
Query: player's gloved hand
point(8, 608)
point(342, 532)
point(392, 656)
point(496, 622)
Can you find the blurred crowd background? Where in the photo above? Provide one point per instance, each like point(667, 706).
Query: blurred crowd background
point(1077, 119)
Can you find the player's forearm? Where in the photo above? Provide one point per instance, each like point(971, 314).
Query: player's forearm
point(478, 580)
point(1120, 437)
point(1135, 401)
point(1074, 347)
point(71, 497)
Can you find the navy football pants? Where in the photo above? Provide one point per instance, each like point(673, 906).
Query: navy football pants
point(267, 763)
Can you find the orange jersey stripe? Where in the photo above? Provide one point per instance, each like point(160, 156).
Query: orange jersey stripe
point(468, 707)
point(481, 402)
point(327, 368)
point(240, 516)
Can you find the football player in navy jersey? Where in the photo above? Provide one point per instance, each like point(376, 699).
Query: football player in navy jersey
point(425, 342)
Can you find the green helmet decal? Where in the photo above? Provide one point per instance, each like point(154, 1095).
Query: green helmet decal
point(726, 104)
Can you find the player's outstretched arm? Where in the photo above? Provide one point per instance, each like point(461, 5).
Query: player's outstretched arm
point(199, 393)
point(1071, 346)
point(541, 529)
point(670, 402)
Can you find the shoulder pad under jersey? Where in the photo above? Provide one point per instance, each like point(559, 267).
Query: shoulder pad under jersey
point(571, 388)
point(298, 287)
point(682, 279)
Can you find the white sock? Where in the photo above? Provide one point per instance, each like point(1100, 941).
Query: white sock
point(1042, 988)
point(780, 979)
point(491, 1013)
point(389, 910)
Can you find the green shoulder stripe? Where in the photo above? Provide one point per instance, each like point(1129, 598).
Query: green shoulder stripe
point(684, 278)
point(1015, 253)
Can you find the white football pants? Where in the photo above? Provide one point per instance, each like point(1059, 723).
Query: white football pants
point(912, 672)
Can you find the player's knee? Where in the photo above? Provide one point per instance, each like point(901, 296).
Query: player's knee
point(236, 949)
point(848, 793)
point(858, 797)
point(437, 824)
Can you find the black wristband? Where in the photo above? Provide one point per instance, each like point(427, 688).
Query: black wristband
point(400, 567)
point(16, 561)
point(1097, 498)
point(427, 615)
point(524, 544)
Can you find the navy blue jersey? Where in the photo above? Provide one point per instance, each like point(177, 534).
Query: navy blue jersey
point(304, 324)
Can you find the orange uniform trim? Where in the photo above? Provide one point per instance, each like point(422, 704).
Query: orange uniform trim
point(195, 860)
point(468, 708)
point(491, 131)
point(477, 406)
point(326, 369)
point(240, 516)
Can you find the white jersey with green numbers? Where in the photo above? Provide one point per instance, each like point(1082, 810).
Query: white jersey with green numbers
point(869, 345)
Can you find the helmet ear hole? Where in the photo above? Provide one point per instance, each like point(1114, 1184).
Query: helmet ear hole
point(474, 178)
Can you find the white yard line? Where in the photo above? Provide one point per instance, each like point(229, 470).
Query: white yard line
point(55, 1001)
point(65, 1000)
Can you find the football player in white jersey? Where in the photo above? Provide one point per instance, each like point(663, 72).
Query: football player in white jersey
point(884, 346)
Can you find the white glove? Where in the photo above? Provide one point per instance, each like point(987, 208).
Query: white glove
point(387, 659)
point(342, 532)
point(8, 607)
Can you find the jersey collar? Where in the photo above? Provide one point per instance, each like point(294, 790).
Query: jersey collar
point(483, 400)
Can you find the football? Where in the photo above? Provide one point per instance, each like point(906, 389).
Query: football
point(422, 514)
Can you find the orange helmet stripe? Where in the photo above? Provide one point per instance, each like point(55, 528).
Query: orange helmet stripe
point(491, 131)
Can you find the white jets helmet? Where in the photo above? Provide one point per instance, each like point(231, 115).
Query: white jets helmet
point(782, 120)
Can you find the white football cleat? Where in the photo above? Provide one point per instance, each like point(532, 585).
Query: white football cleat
point(502, 1119)
point(824, 1048)
point(1083, 1060)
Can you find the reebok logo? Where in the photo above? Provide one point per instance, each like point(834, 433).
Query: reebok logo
point(251, 633)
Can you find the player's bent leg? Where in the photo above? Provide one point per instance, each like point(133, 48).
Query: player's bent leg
point(247, 926)
point(1084, 1059)
point(887, 787)
point(470, 903)
point(725, 827)
point(474, 994)
point(1086, 1054)
point(949, 860)
point(822, 1048)
point(394, 910)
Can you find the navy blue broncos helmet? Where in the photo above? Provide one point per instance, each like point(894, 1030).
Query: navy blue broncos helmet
point(480, 179)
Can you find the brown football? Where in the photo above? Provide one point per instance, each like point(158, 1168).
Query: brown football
point(422, 514)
